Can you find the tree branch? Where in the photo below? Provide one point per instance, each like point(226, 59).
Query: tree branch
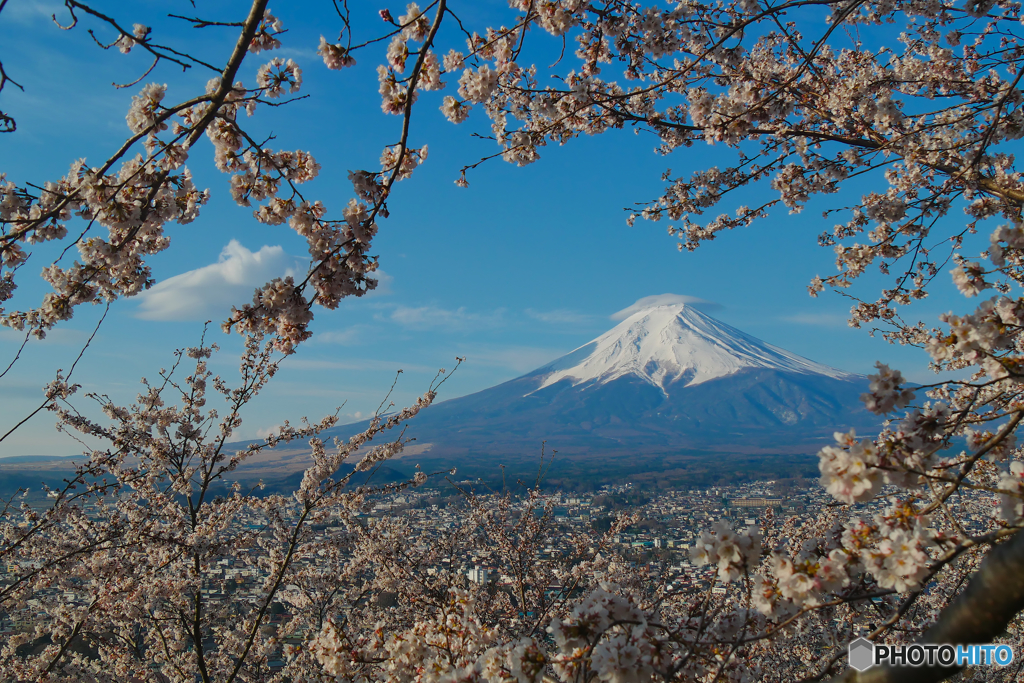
point(994, 596)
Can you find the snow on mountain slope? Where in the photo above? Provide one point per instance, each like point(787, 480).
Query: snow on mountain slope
point(669, 344)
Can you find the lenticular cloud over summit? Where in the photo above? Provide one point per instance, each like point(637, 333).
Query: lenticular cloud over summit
point(665, 300)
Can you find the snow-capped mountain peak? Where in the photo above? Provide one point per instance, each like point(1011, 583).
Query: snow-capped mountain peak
point(674, 344)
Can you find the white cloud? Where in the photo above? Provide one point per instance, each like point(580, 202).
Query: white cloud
point(264, 432)
point(665, 300)
point(353, 336)
point(560, 316)
point(425, 317)
point(209, 292)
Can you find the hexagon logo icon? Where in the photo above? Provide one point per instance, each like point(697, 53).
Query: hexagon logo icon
point(862, 654)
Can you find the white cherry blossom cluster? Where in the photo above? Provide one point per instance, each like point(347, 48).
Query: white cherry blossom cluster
point(477, 85)
point(799, 582)
point(401, 162)
point(905, 454)
point(733, 553)
point(969, 278)
point(849, 470)
point(266, 34)
point(395, 87)
point(986, 338)
point(335, 56)
point(143, 114)
point(894, 548)
point(394, 95)
point(896, 551)
point(886, 392)
point(278, 74)
point(627, 650)
point(454, 110)
point(126, 42)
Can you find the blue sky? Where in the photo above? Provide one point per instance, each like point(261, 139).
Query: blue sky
point(521, 267)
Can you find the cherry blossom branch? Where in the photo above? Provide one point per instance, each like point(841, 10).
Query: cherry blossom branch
point(156, 50)
point(993, 596)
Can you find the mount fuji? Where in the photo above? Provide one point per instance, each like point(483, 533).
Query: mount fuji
point(667, 379)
